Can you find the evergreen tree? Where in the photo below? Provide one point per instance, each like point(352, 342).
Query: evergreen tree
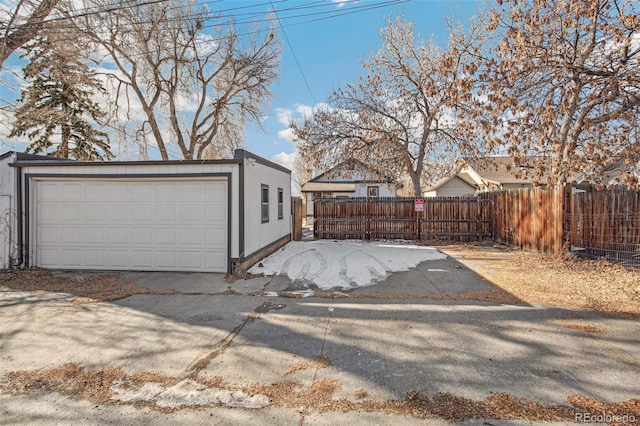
point(56, 105)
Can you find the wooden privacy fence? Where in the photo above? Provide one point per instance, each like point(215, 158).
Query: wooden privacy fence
point(529, 218)
point(603, 223)
point(450, 218)
point(586, 220)
point(583, 219)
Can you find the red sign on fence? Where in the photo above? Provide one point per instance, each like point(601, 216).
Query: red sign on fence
point(419, 205)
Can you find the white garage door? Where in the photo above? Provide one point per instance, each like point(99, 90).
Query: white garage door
point(131, 225)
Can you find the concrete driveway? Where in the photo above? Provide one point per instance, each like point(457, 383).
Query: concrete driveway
point(244, 352)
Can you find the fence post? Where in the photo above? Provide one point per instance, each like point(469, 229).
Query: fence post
point(566, 217)
point(315, 219)
point(367, 234)
point(478, 219)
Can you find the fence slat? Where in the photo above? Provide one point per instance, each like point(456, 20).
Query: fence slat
point(529, 218)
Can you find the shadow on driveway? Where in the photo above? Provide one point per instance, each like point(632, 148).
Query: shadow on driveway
point(381, 346)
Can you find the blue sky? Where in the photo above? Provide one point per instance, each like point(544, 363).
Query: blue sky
point(329, 52)
point(329, 38)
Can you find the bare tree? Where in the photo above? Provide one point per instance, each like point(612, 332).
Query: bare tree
point(563, 85)
point(196, 80)
point(303, 170)
point(22, 23)
point(404, 112)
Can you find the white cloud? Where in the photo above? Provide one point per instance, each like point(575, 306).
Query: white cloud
point(298, 113)
point(341, 3)
point(306, 111)
point(287, 135)
point(288, 160)
point(285, 159)
point(283, 115)
point(188, 103)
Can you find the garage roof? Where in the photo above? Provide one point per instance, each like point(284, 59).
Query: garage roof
point(39, 160)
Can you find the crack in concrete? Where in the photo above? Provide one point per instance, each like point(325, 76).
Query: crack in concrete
point(222, 345)
point(324, 339)
point(429, 280)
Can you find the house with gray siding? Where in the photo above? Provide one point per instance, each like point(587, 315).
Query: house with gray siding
point(349, 179)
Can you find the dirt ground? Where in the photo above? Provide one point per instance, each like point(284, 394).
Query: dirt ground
point(595, 286)
point(87, 288)
point(97, 386)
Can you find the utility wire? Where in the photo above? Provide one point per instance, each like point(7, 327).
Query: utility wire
point(277, 20)
point(255, 17)
point(81, 13)
point(295, 57)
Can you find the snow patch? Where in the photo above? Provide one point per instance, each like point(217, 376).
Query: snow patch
point(187, 393)
point(344, 264)
point(147, 392)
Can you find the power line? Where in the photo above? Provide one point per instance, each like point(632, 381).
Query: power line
point(259, 17)
point(278, 20)
point(295, 57)
point(81, 13)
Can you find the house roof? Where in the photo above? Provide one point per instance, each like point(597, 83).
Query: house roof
point(328, 187)
point(500, 169)
point(375, 175)
point(441, 182)
point(614, 173)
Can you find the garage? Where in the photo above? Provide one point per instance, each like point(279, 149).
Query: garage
point(185, 215)
point(131, 224)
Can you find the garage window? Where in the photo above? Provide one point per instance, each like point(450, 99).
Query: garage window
point(280, 203)
point(265, 203)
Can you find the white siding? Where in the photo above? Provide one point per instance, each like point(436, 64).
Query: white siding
point(355, 176)
point(348, 176)
point(351, 176)
point(309, 203)
point(452, 188)
point(8, 225)
point(258, 234)
point(384, 189)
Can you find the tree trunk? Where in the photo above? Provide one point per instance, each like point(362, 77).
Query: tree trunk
point(415, 180)
point(63, 150)
point(25, 32)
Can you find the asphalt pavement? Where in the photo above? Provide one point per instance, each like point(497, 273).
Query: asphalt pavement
point(375, 344)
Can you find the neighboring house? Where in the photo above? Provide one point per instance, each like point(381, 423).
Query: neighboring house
point(496, 173)
point(452, 186)
point(352, 178)
point(484, 174)
point(617, 173)
point(204, 215)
